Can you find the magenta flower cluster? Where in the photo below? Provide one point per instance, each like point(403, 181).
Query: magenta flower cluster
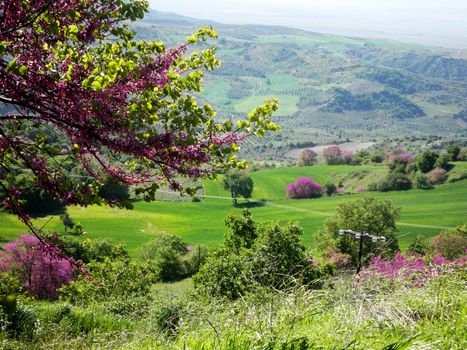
point(412, 266)
point(304, 187)
point(42, 268)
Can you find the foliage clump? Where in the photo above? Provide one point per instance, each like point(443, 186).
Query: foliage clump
point(41, 268)
point(172, 258)
point(304, 187)
point(258, 255)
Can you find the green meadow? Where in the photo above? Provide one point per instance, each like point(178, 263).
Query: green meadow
point(423, 212)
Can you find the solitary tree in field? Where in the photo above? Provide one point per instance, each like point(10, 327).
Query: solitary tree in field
point(122, 109)
point(239, 184)
point(375, 216)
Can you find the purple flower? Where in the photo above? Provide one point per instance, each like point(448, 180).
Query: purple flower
point(304, 187)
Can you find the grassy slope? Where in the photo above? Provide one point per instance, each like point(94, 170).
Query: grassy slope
point(204, 222)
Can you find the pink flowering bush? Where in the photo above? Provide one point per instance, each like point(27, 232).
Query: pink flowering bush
point(304, 187)
point(437, 176)
point(413, 267)
point(340, 190)
point(41, 267)
point(361, 189)
point(341, 260)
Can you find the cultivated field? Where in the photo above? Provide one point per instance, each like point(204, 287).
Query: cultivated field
point(422, 211)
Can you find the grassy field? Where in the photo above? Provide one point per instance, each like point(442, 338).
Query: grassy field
point(422, 212)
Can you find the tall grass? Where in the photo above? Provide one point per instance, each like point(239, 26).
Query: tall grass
point(370, 314)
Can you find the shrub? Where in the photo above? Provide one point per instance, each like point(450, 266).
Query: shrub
point(393, 182)
point(453, 152)
point(377, 157)
point(339, 259)
point(308, 157)
point(443, 162)
point(361, 189)
point(362, 157)
point(398, 165)
point(304, 187)
point(257, 255)
point(114, 191)
point(172, 257)
point(451, 243)
point(421, 181)
point(437, 176)
point(91, 250)
point(426, 161)
point(41, 267)
point(330, 189)
point(398, 182)
point(109, 280)
point(419, 246)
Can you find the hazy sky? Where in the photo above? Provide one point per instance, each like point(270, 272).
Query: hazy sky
point(441, 22)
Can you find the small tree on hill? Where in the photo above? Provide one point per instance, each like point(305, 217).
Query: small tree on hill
point(427, 160)
point(375, 216)
point(239, 184)
point(308, 157)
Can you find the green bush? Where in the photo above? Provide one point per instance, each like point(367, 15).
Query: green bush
point(111, 279)
point(222, 275)
point(421, 181)
point(252, 255)
point(392, 182)
point(92, 250)
point(172, 257)
point(427, 160)
point(443, 162)
point(330, 189)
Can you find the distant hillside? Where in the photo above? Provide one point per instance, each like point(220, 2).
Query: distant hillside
point(331, 88)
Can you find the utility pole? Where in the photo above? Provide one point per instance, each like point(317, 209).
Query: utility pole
point(361, 236)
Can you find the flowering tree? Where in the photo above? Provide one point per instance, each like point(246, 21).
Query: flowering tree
point(304, 187)
point(41, 267)
point(124, 109)
point(436, 176)
point(308, 157)
point(332, 155)
point(335, 155)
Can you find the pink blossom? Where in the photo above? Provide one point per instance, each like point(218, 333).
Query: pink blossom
point(42, 267)
point(304, 187)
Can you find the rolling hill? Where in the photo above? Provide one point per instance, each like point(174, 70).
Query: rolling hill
point(331, 88)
